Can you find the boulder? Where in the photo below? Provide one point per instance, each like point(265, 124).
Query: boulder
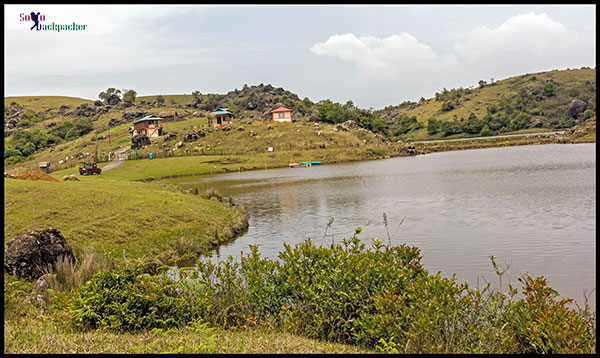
point(34, 253)
point(576, 107)
point(139, 140)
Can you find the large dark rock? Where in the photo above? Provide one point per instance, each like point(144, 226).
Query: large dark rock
point(577, 106)
point(34, 253)
point(139, 140)
point(113, 99)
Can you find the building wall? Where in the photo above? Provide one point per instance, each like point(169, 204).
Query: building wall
point(151, 130)
point(287, 116)
point(225, 120)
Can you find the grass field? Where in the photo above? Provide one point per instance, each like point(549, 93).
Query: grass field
point(46, 334)
point(111, 216)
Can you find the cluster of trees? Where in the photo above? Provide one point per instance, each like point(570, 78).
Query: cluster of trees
point(113, 96)
point(333, 112)
point(68, 130)
point(405, 124)
point(24, 143)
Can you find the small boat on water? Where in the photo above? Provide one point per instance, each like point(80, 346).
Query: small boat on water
point(303, 164)
point(300, 164)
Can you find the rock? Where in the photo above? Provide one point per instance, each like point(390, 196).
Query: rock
point(240, 128)
point(576, 107)
point(170, 135)
point(139, 140)
point(98, 103)
point(536, 122)
point(73, 177)
point(34, 253)
point(113, 99)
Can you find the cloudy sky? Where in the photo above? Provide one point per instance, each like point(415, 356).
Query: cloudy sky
point(374, 55)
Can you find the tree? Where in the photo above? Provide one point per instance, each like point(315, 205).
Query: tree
point(129, 96)
point(196, 95)
point(160, 99)
point(482, 83)
point(111, 96)
point(433, 126)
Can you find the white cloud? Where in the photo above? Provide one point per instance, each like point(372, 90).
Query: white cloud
point(392, 57)
point(522, 39)
point(522, 44)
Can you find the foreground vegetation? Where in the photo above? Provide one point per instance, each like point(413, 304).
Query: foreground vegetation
point(380, 300)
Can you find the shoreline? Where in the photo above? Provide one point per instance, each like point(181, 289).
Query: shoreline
point(426, 147)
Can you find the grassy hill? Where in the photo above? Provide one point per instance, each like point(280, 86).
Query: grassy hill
point(65, 130)
point(520, 94)
point(108, 216)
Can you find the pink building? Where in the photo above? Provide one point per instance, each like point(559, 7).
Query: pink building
point(282, 114)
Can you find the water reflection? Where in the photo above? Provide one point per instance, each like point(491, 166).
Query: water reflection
point(533, 207)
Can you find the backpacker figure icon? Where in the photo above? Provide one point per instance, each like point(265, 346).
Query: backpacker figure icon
point(35, 18)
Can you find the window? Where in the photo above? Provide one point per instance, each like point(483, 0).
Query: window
point(281, 115)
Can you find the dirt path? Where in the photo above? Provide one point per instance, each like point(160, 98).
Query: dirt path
point(115, 162)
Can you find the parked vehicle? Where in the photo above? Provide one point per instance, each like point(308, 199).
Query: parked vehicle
point(89, 168)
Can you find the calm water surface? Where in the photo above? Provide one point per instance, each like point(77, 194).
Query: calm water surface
point(533, 207)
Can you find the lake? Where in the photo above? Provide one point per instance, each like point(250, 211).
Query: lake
point(533, 207)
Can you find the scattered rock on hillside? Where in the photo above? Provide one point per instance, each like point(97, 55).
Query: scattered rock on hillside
point(34, 253)
point(576, 107)
point(170, 135)
point(139, 140)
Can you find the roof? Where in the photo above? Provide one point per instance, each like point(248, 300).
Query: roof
point(148, 118)
point(281, 109)
point(221, 110)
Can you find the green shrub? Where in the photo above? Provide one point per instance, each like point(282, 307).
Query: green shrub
point(381, 298)
point(549, 89)
point(128, 300)
point(542, 322)
point(588, 114)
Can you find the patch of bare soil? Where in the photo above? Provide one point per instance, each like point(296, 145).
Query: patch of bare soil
point(36, 175)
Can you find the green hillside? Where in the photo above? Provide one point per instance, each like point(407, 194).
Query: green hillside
point(65, 130)
point(539, 101)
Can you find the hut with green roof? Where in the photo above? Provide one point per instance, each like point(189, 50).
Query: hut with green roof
point(220, 117)
point(151, 125)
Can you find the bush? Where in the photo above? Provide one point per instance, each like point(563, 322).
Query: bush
point(549, 89)
point(485, 131)
point(382, 297)
point(128, 300)
point(588, 114)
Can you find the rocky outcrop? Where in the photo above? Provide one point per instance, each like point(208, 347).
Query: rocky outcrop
point(127, 117)
point(34, 253)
